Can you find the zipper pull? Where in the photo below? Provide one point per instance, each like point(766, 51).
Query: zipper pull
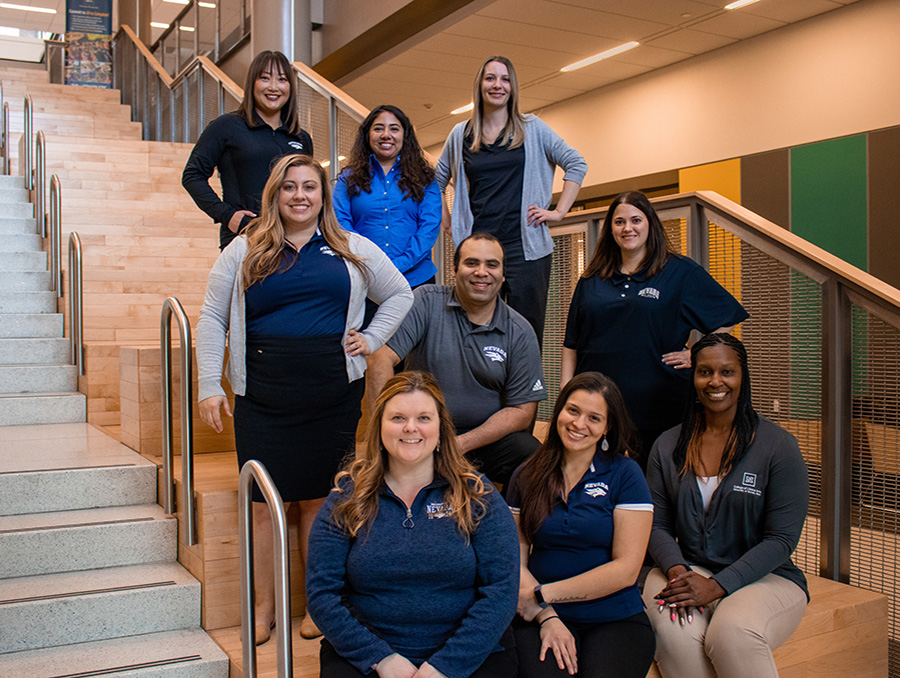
point(409, 523)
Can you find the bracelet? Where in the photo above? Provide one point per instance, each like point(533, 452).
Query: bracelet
point(546, 619)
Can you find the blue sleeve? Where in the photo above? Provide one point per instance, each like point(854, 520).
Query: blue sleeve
point(342, 203)
point(200, 166)
point(326, 577)
point(496, 544)
point(706, 305)
point(633, 487)
point(572, 323)
point(414, 325)
point(513, 492)
point(428, 225)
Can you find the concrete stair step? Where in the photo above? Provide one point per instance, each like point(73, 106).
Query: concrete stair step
point(79, 607)
point(66, 467)
point(17, 209)
point(186, 653)
point(25, 281)
point(21, 242)
point(15, 226)
point(15, 325)
point(42, 408)
point(13, 195)
point(21, 378)
point(28, 302)
point(33, 260)
point(8, 181)
point(34, 350)
point(75, 541)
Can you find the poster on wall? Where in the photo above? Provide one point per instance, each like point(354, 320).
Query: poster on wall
point(88, 32)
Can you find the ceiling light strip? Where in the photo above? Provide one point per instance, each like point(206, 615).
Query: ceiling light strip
point(600, 57)
point(27, 8)
point(740, 3)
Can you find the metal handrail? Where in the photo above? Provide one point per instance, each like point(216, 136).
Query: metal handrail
point(40, 184)
point(54, 221)
point(254, 470)
point(76, 310)
point(27, 158)
point(4, 134)
point(172, 306)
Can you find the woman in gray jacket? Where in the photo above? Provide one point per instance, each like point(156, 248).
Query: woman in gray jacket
point(501, 164)
point(290, 296)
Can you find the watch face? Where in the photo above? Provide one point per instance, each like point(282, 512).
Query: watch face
point(539, 596)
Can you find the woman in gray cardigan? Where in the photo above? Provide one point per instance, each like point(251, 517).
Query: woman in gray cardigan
point(501, 164)
point(290, 297)
point(730, 495)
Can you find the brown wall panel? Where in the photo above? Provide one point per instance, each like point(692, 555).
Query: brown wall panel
point(765, 186)
point(884, 204)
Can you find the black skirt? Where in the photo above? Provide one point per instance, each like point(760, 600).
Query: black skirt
point(299, 414)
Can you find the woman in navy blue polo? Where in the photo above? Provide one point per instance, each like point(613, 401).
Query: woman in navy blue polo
point(584, 513)
point(388, 193)
point(632, 314)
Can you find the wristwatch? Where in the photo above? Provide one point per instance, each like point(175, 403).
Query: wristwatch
point(539, 596)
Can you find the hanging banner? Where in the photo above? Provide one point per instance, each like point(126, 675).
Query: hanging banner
point(88, 35)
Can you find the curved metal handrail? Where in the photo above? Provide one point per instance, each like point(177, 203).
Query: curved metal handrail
point(4, 134)
point(54, 223)
point(254, 470)
point(27, 157)
point(40, 184)
point(76, 312)
point(172, 306)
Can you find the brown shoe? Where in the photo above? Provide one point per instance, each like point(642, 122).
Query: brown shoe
point(308, 628)
point(262, 633)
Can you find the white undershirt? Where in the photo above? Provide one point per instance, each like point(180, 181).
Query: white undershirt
point(707, 487)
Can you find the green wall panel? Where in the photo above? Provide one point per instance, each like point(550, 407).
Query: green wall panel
point(828, 197)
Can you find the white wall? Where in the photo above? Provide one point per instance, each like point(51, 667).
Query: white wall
point(829, 76)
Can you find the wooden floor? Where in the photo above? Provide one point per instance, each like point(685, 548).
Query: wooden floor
point(305, 653)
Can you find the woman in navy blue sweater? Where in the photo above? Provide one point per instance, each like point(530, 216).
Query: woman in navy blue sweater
point(413, 559)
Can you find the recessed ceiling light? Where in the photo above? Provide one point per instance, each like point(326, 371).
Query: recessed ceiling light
point(600, 57)
point(211, 5)
point(463, 109)
point(178, 2)
point(27, 8)
point(157, 24)
point(189, 29)
point(737, 4)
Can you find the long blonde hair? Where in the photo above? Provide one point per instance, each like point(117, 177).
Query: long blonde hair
point(464, 496)
point(265, 234)
point(514, 131)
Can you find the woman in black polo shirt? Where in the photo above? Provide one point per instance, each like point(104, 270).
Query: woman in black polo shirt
point(730, 494)
point(244, 144)
point(632, 314)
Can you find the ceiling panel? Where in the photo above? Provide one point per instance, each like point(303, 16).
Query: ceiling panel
point(795, 10)
point(738, 25)
point(690, 41)
point(669, 13)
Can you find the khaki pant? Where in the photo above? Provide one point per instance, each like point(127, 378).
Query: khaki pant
point(734, 637)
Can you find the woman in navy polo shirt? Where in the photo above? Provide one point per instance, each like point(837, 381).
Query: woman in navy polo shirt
point(388, 193)
point(413, 570)
point(243, 145)
point(289, 297)
point(731, 492)
point(632, 314)
point(584, 514)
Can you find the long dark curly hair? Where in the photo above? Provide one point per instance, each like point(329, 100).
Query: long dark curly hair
point(415, 172)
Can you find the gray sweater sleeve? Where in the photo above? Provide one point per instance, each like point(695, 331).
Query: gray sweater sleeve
point(663, 547)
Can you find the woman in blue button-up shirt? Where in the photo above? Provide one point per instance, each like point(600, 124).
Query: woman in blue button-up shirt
point(388, 194)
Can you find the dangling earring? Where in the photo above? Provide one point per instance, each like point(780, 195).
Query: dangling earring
point(437, 448)
point(604, 445)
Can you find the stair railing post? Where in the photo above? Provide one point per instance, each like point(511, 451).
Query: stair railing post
point(54, 220)
point(40, 184)
point(27, 154)
point(4, 134)
point(76, 317)
point(171, 307)
point(252, 471)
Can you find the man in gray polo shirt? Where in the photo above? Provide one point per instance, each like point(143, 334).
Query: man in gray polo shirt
point(484, 355)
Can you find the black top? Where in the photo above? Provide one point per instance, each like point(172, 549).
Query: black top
point(495, 175)
point(244, 155)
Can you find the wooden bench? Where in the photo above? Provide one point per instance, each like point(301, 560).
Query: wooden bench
point(843, 633)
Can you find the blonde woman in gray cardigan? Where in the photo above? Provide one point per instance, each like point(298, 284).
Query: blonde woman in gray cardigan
point(501, 164)
point(289, 297)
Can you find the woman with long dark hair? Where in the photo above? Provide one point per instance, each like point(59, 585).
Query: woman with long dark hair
point(731, 492)
point(501, 165)
point(244, 144)
point(584, 515)
point(289, 297)
point(387, 193)
point(633, 311)
point(412, 568)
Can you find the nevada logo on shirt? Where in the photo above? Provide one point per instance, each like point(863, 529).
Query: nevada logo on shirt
point(649, 292)
point(495, 353)
point(325, 249)
point(296, 144)
point(436, 510)
point(596, 489)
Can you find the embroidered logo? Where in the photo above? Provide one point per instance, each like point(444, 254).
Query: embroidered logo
point(495, 353)
point(296, 144)
point(650, 292)
point(748, 485)
point(325, 249)
point(538, 386)
point(436, 510)
point(596, 489)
